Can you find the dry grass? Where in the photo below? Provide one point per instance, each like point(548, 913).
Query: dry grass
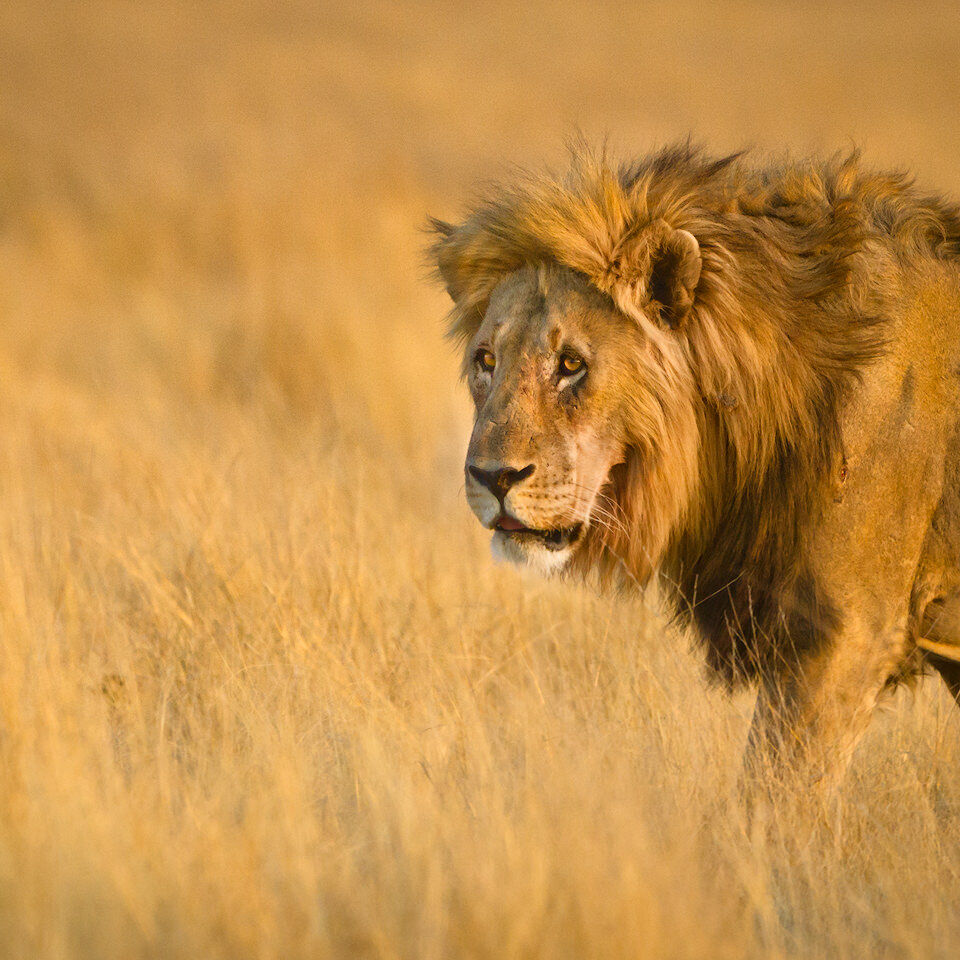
point(262, 693)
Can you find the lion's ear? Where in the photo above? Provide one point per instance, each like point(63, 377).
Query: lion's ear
point(674, 273)
point(445, 256)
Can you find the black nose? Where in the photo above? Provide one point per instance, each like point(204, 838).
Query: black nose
point(498, 482)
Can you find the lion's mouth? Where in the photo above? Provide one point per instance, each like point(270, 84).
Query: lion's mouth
point(558, 538)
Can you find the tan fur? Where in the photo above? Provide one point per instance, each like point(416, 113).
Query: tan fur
point(772, 419)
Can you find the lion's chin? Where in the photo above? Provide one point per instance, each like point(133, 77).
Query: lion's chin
point(535, 553)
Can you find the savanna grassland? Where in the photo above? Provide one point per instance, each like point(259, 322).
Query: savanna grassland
point(262, 691)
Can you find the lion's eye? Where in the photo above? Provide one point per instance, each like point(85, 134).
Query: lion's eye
point(486, 360)
point(570, 364)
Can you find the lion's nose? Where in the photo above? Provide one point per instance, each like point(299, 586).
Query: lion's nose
point(499, 481)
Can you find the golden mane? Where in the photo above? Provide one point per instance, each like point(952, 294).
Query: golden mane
point(797, 264)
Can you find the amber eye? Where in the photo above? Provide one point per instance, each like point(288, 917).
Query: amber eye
point(570, 364)
point(486, 360)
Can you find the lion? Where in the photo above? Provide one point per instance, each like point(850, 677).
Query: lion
point(741, 379)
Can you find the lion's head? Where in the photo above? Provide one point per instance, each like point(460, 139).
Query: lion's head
point(566, 388)
point(582, 394)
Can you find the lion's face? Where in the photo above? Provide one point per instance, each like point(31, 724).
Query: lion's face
point(546, 370)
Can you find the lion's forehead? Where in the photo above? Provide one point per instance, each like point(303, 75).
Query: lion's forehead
point(533, 312)
point(524, 334)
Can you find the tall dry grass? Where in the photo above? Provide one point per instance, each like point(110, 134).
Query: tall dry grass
point(262, 692)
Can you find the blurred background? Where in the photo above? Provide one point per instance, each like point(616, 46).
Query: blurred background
point(262, 691)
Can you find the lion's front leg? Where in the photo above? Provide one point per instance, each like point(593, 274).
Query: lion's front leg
point(811, 714)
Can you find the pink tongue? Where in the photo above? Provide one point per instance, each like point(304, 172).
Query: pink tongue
point(507, 522)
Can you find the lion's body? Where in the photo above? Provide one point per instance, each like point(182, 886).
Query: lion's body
point(793, 472)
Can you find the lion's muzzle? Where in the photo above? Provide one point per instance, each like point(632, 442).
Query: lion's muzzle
point(501, 498)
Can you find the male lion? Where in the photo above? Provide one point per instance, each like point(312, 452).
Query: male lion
point(744, 379)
